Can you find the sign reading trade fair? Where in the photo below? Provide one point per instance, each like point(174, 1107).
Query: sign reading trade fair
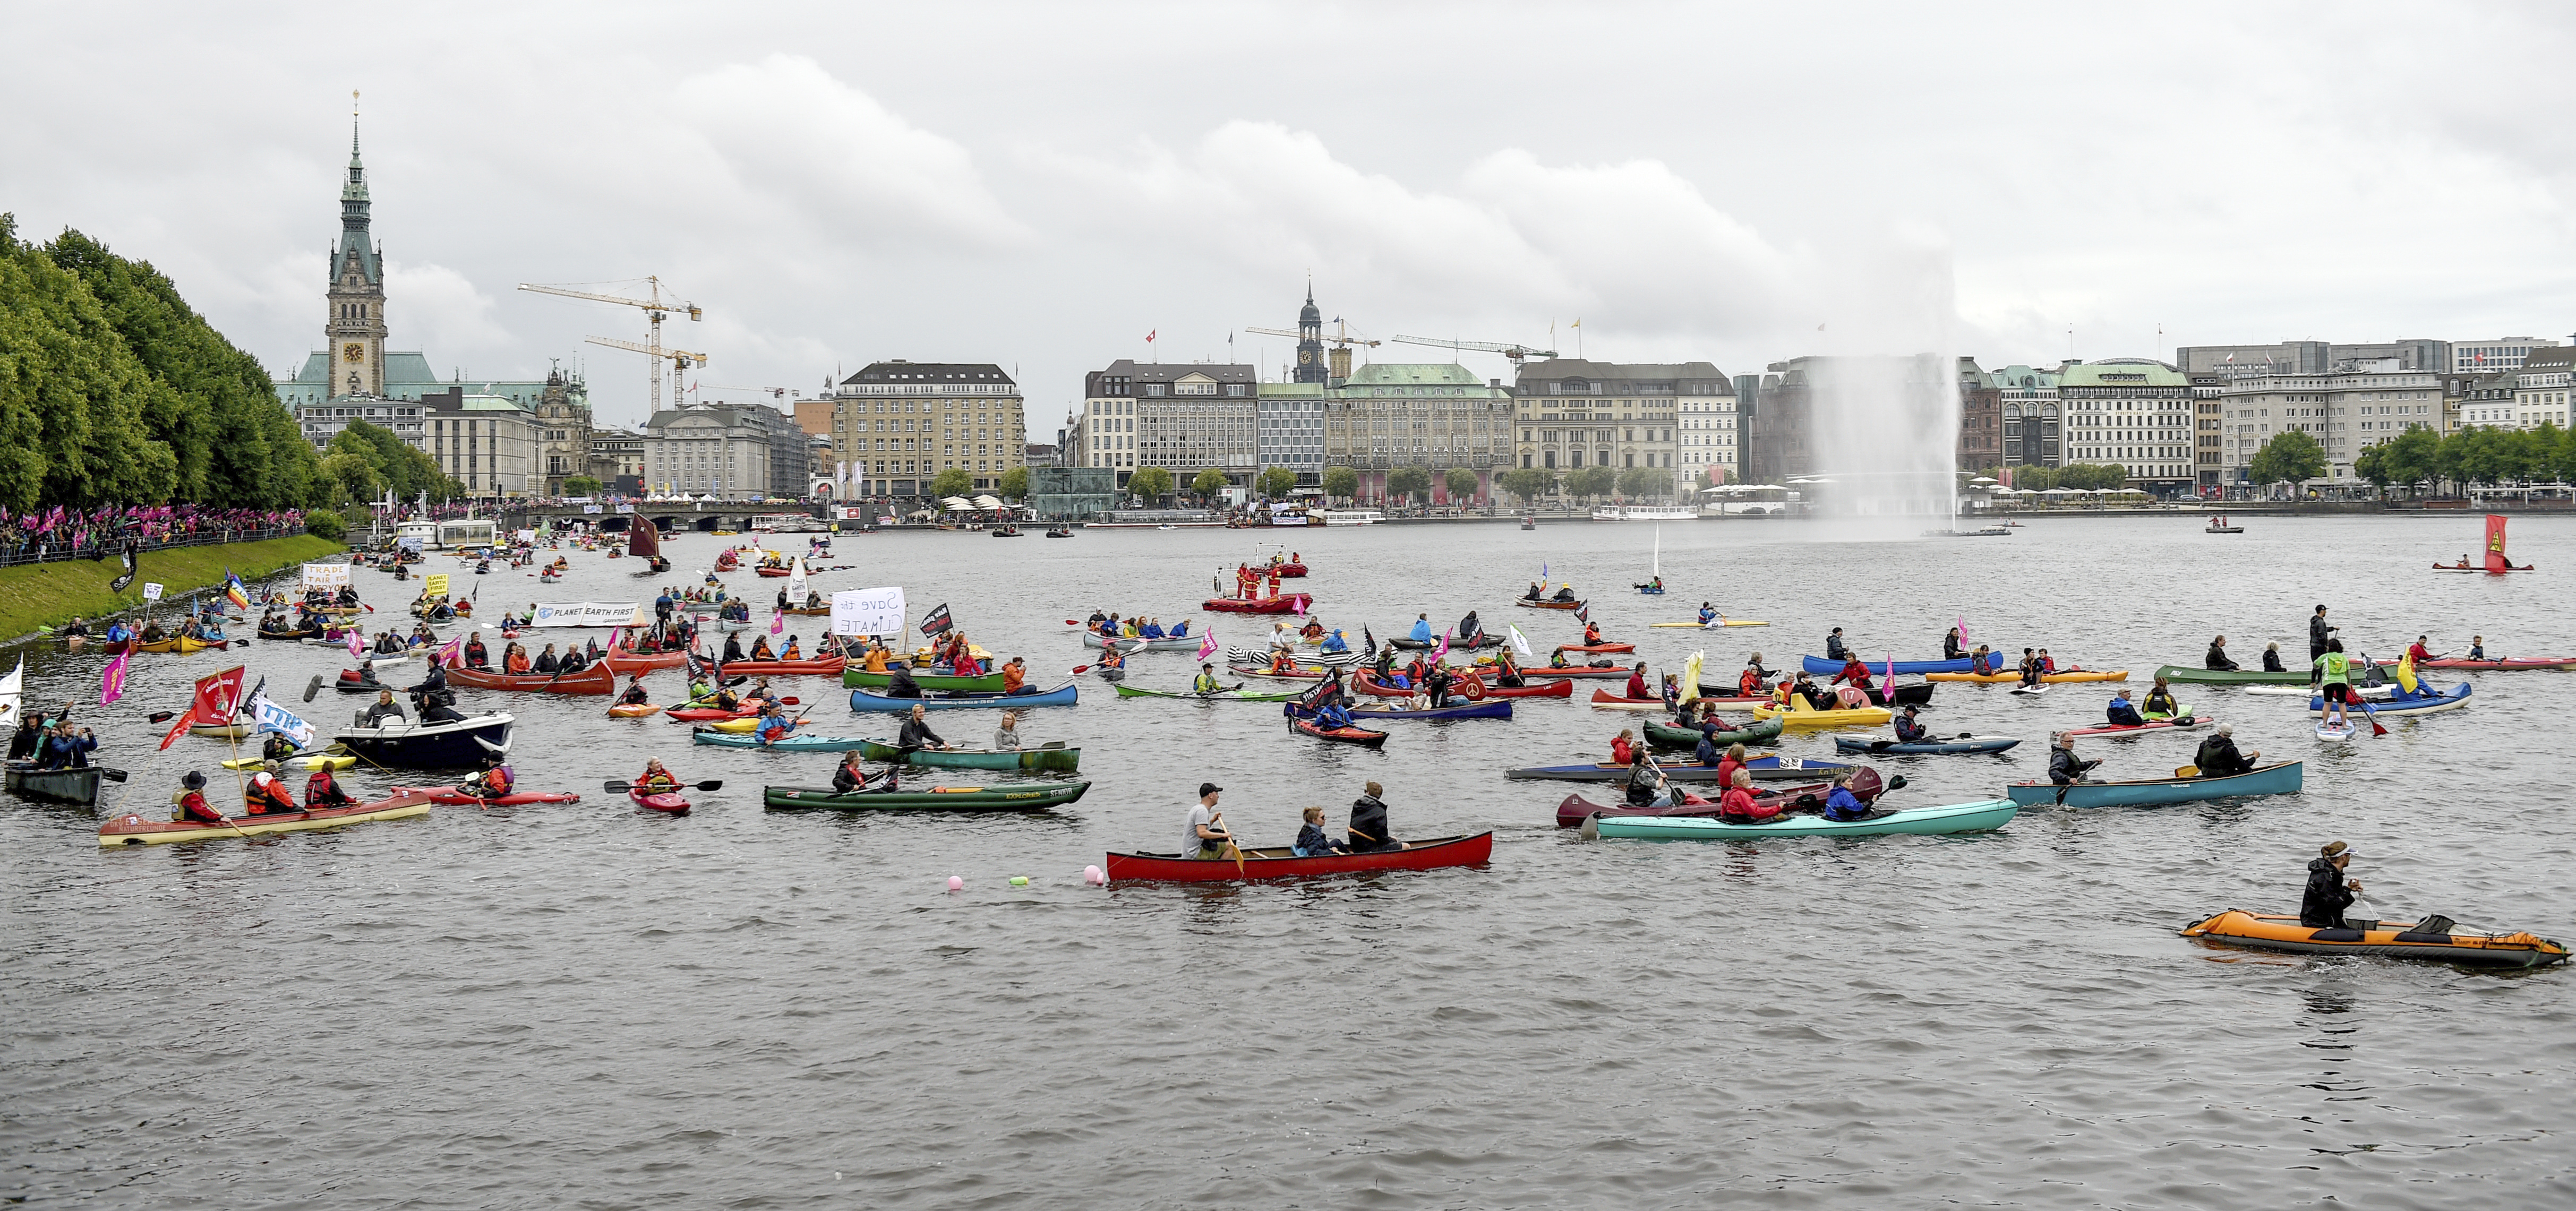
point(868, 611)
point(325, 575)
point(591, 614)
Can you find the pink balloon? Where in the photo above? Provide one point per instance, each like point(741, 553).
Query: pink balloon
point(1093, 875)
point(956, 884)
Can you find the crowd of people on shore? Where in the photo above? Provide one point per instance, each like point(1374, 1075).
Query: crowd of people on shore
point(66, 533)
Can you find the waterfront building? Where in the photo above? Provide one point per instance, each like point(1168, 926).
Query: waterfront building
point(1291, 420)
point(1572, 413)
point(1981, 418)
point(2345, 412)
point(2541, 387)
point(488, 443)
point(1436, 416)
point(2208, 429)
point(2033, 427)
point(2495, 353)
point(617, 460)
point(720, 450)
point(1185, 417)
point(2312, 357)
point(2135, 412)
point(900, 423)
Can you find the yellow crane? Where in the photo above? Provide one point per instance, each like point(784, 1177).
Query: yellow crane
point(656, 308)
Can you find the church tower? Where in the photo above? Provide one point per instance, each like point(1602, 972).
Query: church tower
point(1311, 366)
point(355, 333)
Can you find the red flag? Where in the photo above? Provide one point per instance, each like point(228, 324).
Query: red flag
point(2496, 561)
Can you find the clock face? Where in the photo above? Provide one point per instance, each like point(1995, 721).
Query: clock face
point(1304, 357)
point(353, 352)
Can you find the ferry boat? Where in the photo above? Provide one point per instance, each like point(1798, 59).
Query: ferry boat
point(1646, 513)
point(1353, 517)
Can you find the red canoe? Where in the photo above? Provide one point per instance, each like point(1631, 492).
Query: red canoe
point(623, 662)
point(770, 572)
point(451, 795)
point(1548, 605)
point(1618, 672)
point(1431, 854)
point(829, 666)
point(597, 679)
point(1472, 688)
point(1287, 571)
point(1348, 735)
point(1284, 604)
point(666, 801)
point(1597, 649)
point(1606, 698)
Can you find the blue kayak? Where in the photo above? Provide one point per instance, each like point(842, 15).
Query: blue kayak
point(2283, 779)
point(1498, 708)
point(793, 744)
point(2401, 702)
point(1970, 744)
point(1821, 667)
point(1062, 695)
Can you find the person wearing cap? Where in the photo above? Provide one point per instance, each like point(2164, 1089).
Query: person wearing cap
point(1206, 836)
point(2218, 757)
point(267, 792)
point(1909, 730)
point(1367, 827)
point(191, 801)
point(1206, 683)
point(2328, 892)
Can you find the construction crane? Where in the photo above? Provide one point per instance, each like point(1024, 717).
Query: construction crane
point(656, 308)
point(1514, 352)
point(771, 392)
point(1346, 337)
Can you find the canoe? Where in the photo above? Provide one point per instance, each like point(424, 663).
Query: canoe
point(1281, 863)
point(1574, 809)
point(1462, 710)
point(220, 731)
point(1479, 643)
point(2185, 674)
point(1666, 736)
point(1720, 624)
point(672, 802)
point(706, 714)
point(1289, 603)
point(2421, 702)
point(2494, 666)
point(2002, 678)
point(1527, 604)
point(1553, 687)
point(2452, 567)
point(624, 662)
point(1821, 667)
point(401, 744)
point(1611, 672)
point(133, 829)
point(58, 785)
point(744, 726)
point(1062, 695)
point(855, 677)
point(1800, 715)
point(1606, 701)
point(1345, 735)
point(1168, 643)
point(303, 763)
point(794, 743)
point(453, 797)
point(595, 679)
point(2378, 939)
point(2282, 779)
point(2132, 729)
point(1763, 769)
point(1303, 673)
point(1061, 757)
point(831, 666)
point(1980, 817)
point(771, 572)
point(633, 710)
point(1029, 797)
point(1130, 691)
point(820, 611)
point(1971, 744)
point(1597, 649)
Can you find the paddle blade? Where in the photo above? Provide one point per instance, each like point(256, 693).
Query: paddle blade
point(1897, 783)
point(315, 688)
point(617, 788)
point(711, 785)
point(2187, 771)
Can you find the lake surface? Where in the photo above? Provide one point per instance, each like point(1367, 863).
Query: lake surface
point(584, 1005)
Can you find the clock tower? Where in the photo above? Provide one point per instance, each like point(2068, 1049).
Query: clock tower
point(355, 332)
point(1311, 365)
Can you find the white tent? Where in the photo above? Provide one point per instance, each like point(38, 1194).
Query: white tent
point(987, 502)
point(956, 502)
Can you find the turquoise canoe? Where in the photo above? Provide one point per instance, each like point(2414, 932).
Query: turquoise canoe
point(2283, 779)
point(1980, 817)
point(791, 744)
point(1062, 695)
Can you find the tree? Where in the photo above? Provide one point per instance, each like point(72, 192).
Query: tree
point(1015, 484)
point(580, 485)
point(1150, 483)
point(1645, 481)
point(1208, 483)
point(1276, 483)
point(352, 478)
point(1341, 483)
point(1407, 482)
point(954, 481)
point(2372, 464)
point(2409, 457)
point(399, 465)
point(2291, 456)
point(1462, 485)
point(1591, 482)
point(1528, 483)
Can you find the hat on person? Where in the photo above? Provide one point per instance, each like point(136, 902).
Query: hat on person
point(1209, 788)
point(193, 780)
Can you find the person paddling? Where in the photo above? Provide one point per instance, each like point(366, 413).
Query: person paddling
point(1205, 836)
point(2064, 767)
point(191, 802)
point(1368, 827)
point(2328, 891)
point(916, 734)
point(1909, 730)
point(2218, 757)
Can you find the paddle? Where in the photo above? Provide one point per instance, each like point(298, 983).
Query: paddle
point(315, 688)
point(2376, 727)
point(619, 788)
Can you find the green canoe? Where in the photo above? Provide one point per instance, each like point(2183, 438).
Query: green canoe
point(1053, 756)
point(1129, 691)
point(1666, 736)
point(1031, 798)
point(856, 678)
point(2182, 673)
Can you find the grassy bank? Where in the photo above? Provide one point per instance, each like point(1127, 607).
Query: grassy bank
point(50, 594)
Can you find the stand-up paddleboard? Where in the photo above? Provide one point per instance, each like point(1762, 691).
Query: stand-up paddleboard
point(2030, 689)
point(2331, 732)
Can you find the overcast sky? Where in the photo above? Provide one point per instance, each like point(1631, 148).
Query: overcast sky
point(1042, 185)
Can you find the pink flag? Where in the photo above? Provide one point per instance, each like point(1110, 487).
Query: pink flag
point(111, 684)
point(451, 655)
point(1207, 646)
point(1963, 628)
point(1440, 649)
point(357, 642)
point(1891, 678)
point(1301, 605)
point(777, 621)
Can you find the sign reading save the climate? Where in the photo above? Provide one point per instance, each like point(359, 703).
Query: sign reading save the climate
point(868, 611)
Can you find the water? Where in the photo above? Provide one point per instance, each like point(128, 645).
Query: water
point(585, 1005)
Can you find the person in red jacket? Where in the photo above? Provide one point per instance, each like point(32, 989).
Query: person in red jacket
point(192, 803)
point(1637, 682)
point(323, 793)
point(1739, 805)
point(268, 793)
point(1623, 750)
point(1857, 675)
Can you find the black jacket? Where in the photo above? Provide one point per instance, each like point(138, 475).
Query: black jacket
point(2217, 659)
point(2317, 632)
point(1836, 649)
point(2218, 757)
point(899, 683)
point(2272, 661)
point(1368, 825)
point(2064, 767)
point(916, 733)
point(2323, 904)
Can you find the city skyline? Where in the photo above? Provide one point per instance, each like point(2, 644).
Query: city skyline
point(1033, 205)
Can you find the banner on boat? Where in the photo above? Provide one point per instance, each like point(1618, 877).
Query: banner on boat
point(435, 585)
point(267, 716)
point(868, 611)
point(325, 575)
point(591, 614)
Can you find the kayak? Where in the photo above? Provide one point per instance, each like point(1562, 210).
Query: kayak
point(623, 662)
point(452, 796)
point(2131, 729)
point(745, 726)
point(2378, 939)
point(1031, 797)
point(703, 714)
point(1527, 604)
point(220, 731)
point(661, 801)
point(1346, 735)
point(1290, 604)
point(792, 744)
point(1822, 667)
point(302, 763)
point(1710, 626)
point(633, 710)
point(1865, 786)
point(1964, 744)
point(133, 829)
point(1463, 710)
point(830, 666)
point(595, 679)
point(1131, 691)
point(2421, 702)
point(1980, 817)
point(1062, 695)
point(1282, 863)
point(1597, 649)
point(1054, 755)
point(1800, 715)
point(182, 645)
point(1763, 769)
point(1666, 736)
point(2186, 674)
point(2282, 779)
point(1554, 687)
point(2494, 666)
point(855, 677)
point(2001, 678)
point(1301, 673)
point(1168, 643)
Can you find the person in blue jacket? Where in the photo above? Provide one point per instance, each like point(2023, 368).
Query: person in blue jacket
point(1842, 804)
point(1909, 730)
point(1421, 629)
point(2123, 712)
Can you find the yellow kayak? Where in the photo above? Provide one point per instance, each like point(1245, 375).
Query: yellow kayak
point(2001, 678)
point(744, 727)
point(180, 645)
point(1800, 715)
point(1711, 626)
point(302, 763)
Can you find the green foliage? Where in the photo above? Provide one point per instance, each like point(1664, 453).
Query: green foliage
point(1150, 483)
point(1592, 481)
point(1645, 481)
point(2289, 457)
point(1528, 483)
point(955, 481)
point(323, 523)
point(1208, 483)
point(580, 485)
point(1277, 482)
point(1341, 483)
point(1461, 483)
point(1015, 484)
point(390, 462)
point(1407, 482)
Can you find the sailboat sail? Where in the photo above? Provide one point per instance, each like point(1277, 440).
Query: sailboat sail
point(1659, 552)
point(643, 538)
point(796, 580)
